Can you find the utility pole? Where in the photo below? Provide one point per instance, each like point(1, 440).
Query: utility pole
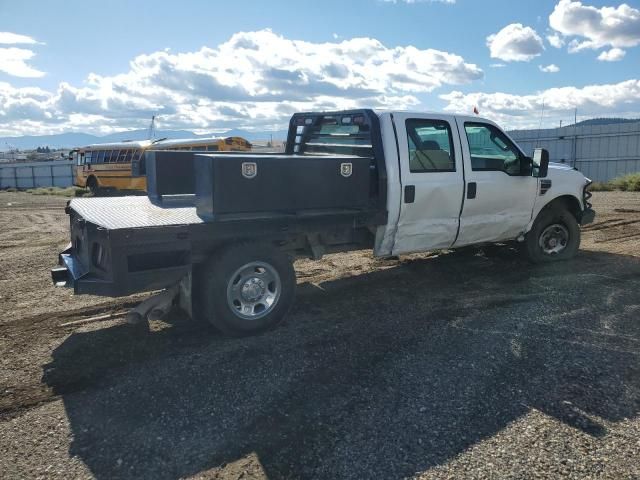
point(152, 128)
point(575, 136)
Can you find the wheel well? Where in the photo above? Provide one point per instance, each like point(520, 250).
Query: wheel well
point(569, 202)
point(92, 179)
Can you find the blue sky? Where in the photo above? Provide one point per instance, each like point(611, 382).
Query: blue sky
point(69, 64)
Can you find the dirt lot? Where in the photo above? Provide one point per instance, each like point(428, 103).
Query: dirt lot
point(471, 364)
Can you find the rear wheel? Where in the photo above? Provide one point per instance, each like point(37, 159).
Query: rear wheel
point(92, 185)
point(555, 236)
point(247, 288)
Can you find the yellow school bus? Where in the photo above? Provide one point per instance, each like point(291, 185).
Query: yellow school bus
point(108, 165)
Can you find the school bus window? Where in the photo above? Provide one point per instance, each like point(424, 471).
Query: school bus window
point(130, 152)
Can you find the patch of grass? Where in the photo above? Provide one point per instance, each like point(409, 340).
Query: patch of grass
point(601, 187)
point(62, 192)
point(627, 183)
point(10, 190)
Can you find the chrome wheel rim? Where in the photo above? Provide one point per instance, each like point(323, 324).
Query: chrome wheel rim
point(554, 239)
point(253, 290)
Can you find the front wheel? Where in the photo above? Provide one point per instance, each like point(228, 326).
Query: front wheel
point(247, 288)
point(555, 236)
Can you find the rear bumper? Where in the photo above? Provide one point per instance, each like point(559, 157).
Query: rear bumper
point(71, 273)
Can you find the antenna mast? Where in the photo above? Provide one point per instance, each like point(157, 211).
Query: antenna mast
point(540, 125)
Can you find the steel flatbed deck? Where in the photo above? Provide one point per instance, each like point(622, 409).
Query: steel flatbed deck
point(115, 213)
point(121, 245)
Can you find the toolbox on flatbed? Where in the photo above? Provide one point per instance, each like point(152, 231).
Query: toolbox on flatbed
point(227, 184)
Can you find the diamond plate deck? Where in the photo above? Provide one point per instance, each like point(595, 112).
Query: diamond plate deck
point(133, 212)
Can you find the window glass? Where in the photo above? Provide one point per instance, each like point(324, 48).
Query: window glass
point(331, 134)
point(127, 158)
point(123, 156)
point(136, 154)
point(113, 157)
point(430, 146)
point(491, 149)
point(212, 148)
point(98, 157)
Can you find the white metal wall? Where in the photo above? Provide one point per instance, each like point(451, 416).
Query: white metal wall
point(36, 174)
point(601, 152)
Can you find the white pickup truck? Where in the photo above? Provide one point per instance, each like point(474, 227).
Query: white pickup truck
point(223, 229)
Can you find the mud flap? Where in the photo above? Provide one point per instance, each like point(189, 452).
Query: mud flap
point(185, 300)
point(587, 217)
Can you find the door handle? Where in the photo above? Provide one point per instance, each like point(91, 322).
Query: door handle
point(472, 187)
point(409, 193)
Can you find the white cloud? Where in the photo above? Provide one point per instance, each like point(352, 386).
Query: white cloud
point(613, 55)
point(515, 43)
point(8, 38)
point(594, 28)
point(13, 61)
point(555, 40)
point(253, 80)
point(620, 99)
point(497, 65)
point(549, 68)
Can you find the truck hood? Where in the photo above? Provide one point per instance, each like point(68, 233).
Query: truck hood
point(559, 166)
point(564, 172)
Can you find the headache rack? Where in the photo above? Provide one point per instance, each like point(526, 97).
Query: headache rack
point(346, 132)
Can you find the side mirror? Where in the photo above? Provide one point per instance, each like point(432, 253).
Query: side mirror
point(540, 162)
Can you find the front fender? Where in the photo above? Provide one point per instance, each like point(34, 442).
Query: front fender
point(576, 203)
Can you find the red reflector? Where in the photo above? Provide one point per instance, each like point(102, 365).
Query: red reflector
point(358, 120)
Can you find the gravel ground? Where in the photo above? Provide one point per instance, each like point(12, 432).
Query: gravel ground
point(471, 364)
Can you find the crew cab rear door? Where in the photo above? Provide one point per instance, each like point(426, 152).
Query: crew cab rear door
point(430, 161)
point(500, 190)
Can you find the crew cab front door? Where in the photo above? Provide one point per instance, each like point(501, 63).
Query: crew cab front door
point(500, 191)
point(430, 158)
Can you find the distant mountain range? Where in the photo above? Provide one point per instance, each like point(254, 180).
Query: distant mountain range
point(78, 139)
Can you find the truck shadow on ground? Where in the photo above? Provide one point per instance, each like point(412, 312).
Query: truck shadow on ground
point(376, 376)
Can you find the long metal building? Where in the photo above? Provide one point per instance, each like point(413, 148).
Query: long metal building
point(601, 152)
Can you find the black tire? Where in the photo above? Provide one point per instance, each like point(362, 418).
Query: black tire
point(92, 185)
point(226, 273)
point(555, 229)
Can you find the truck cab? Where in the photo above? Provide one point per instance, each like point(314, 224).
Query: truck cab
point(461, 181)
point(222, 230)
